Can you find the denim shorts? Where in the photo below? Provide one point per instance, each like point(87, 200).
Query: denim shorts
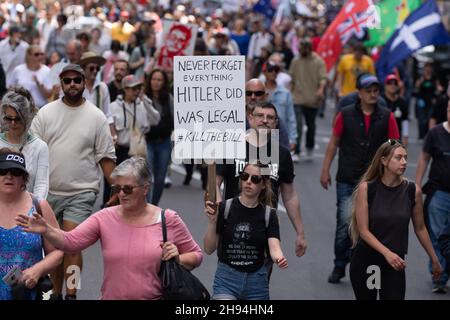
point(231, 284)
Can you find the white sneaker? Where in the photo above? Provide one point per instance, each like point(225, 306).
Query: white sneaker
point(167, 182)
point(295, 157)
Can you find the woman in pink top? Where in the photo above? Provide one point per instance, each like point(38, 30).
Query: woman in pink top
point(130, 235)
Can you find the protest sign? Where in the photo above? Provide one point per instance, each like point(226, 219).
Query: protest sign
point(178, 40)
point(209, 107)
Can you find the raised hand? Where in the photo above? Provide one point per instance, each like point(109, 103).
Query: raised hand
point(34, 224)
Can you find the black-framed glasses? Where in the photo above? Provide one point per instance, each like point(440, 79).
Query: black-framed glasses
point(249, 93)
point(262, 116)
point(127, 189)
point(77, 80)
point(10, 119)
point(253, 178)
point(14, 172)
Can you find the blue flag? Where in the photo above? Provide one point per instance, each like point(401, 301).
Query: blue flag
point(265, 8)
point(422, 28)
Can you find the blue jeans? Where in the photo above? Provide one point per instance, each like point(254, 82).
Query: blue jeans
point(439, 218)
point(159, 158)
point(231, 284)
point(342, 241)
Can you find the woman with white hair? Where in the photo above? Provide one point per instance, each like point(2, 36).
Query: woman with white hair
point(131, 237)
point(17, 112)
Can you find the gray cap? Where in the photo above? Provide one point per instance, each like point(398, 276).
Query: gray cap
point(130, 81)
point(72, 67)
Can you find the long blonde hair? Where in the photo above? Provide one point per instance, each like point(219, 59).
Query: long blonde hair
point(374, 172)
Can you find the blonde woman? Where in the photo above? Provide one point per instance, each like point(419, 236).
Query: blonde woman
point(384, 203)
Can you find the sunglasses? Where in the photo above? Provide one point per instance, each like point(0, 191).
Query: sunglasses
point(255, 179)
point(249, 93)
point(14, 172)
point(77, 80)
point(127, 189)
point(38, 54)
point(94, 69)
point(273, 69)
point(11, 119)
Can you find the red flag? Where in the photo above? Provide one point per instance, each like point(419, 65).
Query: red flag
point(350, 21)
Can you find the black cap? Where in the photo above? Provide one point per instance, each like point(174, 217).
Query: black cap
point(366, 80)
point(9, 160)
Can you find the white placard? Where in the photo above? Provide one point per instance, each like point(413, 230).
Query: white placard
point(209, 107)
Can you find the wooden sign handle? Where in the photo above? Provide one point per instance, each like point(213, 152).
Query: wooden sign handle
point(211, 186)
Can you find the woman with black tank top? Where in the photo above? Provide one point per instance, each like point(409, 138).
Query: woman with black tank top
point(243, 230)
point(384, 202)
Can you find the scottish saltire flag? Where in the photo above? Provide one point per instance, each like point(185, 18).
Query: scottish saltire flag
point(422, 28)
point(265, 8)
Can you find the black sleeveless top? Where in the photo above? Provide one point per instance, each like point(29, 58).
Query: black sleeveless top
point(390, 209)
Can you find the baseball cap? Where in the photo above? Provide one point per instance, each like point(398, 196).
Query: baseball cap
point(130, 81)
point(365, 80)
point(10, 160)
point(390, 78)
point(72, 67)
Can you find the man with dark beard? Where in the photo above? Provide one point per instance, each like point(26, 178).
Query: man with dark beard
point(80, 143)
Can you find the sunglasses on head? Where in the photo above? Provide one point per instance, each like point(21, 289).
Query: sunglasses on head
point(14, 172)
point(77, 80)
point(393, 142)
point(11, 119)
point(253, 178)
point(249, 93)
point(127, 189)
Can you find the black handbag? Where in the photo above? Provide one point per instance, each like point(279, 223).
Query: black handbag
point(178, 283)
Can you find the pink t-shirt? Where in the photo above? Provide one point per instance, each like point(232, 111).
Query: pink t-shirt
point(131, 255)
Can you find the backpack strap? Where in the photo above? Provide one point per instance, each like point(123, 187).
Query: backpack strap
point(163, 224)
point(227, 208)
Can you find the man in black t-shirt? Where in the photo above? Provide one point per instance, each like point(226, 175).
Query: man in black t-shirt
point(439, 114)
point(437, 203)
point(265, 148)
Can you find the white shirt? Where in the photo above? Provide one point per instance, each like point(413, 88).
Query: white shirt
point(257, 42)
point(36, 160)
point(24, 77)
point(77, 138)
point(11, 58)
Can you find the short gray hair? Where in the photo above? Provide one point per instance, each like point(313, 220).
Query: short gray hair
point(136, 166)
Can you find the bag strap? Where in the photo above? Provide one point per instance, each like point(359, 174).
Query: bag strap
point(163, 224)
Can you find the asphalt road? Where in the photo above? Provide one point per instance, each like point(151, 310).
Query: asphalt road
point(306, 277)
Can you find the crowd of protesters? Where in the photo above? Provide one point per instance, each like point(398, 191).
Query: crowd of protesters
point(80, 79)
